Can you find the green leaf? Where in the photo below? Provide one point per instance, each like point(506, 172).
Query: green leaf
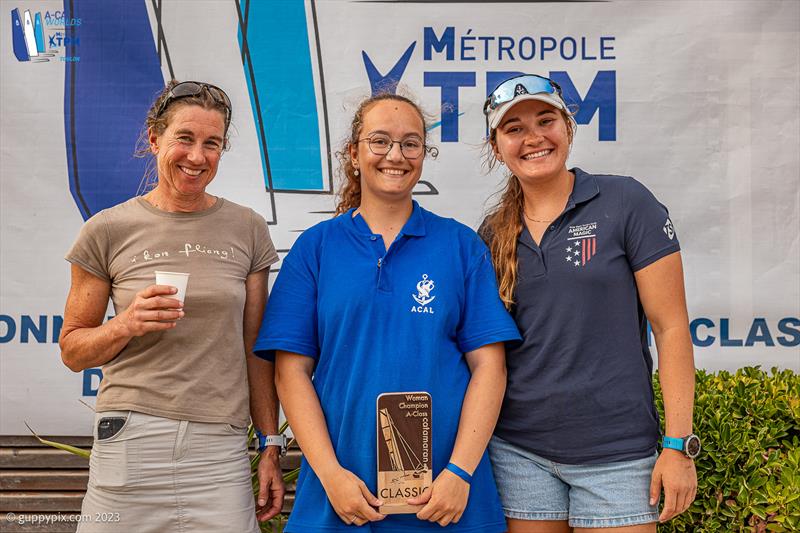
point(66, 447)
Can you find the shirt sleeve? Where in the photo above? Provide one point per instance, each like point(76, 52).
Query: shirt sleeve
point(649, 233)
point(484, 319)
point(264, 253)
point(290, 319)
point(91, 249)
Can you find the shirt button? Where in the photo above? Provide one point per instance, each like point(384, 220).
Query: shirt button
point(373, 238)
point(552, 228)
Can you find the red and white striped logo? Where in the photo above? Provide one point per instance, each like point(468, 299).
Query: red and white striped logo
point(582, 244)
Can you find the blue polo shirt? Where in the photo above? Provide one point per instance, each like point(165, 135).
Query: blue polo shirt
point(376, 322)
point(579, 384)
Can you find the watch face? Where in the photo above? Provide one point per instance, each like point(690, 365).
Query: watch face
point(692, 446)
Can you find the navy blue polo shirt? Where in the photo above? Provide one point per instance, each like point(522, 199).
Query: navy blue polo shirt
point(375, 322)
point(579, 384)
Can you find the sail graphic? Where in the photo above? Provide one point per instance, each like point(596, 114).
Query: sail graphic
point(38, 33)
point(18, 37)
point(398, 446)
point(30, 35)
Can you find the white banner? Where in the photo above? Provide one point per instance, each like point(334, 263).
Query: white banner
point(698, 100)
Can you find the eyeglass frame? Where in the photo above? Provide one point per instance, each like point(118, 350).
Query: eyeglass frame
point(226, 101)
point(425, 148)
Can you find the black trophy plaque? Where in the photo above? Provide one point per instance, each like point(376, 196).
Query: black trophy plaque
point(404, 449)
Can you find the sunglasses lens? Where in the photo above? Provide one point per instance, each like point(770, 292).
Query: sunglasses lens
point(510, 89)
point(219, 95)
point(187, 88)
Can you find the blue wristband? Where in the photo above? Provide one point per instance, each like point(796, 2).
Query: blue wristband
point(262, 441)
point(459, 472)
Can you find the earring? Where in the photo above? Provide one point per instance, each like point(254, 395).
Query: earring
point(357, 173)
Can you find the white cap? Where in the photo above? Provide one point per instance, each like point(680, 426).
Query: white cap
point(496, 115)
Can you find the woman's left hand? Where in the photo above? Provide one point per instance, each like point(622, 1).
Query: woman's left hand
point(676, 474)
point(445, 501)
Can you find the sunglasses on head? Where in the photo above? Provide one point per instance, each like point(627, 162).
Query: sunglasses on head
point(194, 88)
point(513, 87)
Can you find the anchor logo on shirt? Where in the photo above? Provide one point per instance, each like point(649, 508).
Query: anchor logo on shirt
point(424, 288)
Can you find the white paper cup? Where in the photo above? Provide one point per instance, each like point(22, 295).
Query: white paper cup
point(177, 280)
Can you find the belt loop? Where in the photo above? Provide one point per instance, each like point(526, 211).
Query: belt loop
point(181, 441)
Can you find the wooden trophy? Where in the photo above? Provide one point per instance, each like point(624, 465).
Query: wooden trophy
point(404, 449)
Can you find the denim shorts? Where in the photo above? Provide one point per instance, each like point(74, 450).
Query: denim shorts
point(602, 495)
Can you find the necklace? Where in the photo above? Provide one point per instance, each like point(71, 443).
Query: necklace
point(535, 220)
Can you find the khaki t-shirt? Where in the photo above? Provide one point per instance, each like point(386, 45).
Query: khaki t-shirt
point(196, 371)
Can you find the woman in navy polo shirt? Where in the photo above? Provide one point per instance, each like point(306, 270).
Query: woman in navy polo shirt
point(583, 261)
point(388, 297)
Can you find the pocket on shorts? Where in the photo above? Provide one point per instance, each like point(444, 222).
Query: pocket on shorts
point(109, 425)
point(235, 430)
point(111, 461)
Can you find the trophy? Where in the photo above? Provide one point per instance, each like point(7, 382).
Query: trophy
point(404, 449)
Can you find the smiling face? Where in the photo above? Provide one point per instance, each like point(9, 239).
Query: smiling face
point(188, 151)
point(533, 139)
point(389, 177)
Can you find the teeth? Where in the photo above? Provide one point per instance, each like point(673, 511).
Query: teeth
point(190, 171)
point(537, 154)
point(393, 171)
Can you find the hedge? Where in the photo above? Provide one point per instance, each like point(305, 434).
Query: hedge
point(749, 470)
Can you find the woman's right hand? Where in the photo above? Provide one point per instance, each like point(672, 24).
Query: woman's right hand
point(153, 309)
point(351, 499)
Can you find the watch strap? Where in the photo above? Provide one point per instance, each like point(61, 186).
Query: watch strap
point(271, 440)
point(673, 443)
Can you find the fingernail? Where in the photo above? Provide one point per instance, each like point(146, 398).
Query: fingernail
point(652, 501)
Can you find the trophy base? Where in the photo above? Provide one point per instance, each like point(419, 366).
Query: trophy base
point(399, 508)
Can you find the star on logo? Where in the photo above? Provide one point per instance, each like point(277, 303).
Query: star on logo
point(577, 263)
point(577, 243)
point(576, 252)
point(569, 248)
point(569, 259)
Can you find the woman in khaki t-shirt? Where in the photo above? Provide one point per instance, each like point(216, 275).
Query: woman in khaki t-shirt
point(170, 448)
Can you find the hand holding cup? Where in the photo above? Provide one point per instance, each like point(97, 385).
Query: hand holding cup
point(157, 307)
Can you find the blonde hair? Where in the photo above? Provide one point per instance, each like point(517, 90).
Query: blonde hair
point(349, 194)
point(503, 224)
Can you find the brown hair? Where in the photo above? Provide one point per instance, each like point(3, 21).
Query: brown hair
point(158, 123)
point(349, 194)
point(503, 224)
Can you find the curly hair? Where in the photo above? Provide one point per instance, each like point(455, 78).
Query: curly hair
point(349, 194)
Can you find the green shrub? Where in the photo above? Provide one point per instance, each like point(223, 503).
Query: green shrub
point(749, 470)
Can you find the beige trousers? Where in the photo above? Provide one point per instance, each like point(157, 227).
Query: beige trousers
point(160, 475)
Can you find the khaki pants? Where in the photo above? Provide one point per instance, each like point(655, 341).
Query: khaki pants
point(161, 475)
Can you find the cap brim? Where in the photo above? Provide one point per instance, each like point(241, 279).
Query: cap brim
point(497, 114)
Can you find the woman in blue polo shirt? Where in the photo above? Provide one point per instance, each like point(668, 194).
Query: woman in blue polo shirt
point(388, 297)
point(583, 261)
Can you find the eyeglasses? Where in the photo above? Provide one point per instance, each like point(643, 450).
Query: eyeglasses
point(513, 87)
point(193, 88)
point(379, 144)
